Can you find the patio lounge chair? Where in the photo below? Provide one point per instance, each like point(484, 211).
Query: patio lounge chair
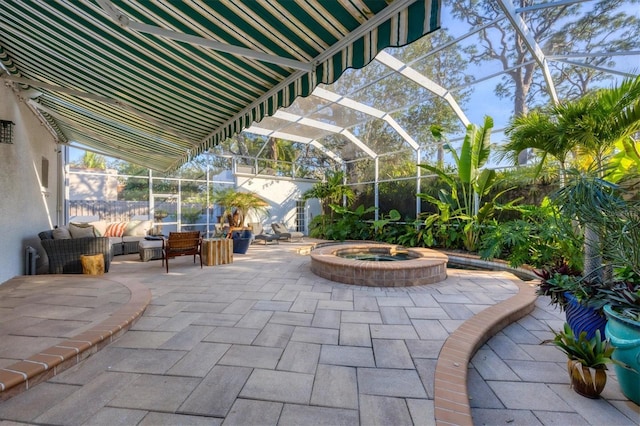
point(284, 234)
point(259, 234)
point(182, 244)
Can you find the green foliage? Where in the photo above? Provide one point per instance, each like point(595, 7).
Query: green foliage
point(349, 224)
point(537, 238)
point(592, 353)
point(240, 202)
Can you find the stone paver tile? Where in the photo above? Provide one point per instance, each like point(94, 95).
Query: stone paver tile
point(218, 319)
point(26, 406)
point(394, 315)
point(326, 318)
point(300, 357)
point(150, 361)
point(147, 323)
point(274, 335)
point(452, 298)
point(422, 412)
point(178, 322)
point(187, 338)
point(279, 386)
point(251, 356)
point(200, 360)
point(143, 339)
point(423, 300)
point(355, 335)
point(217, 392)
point(426, 313)
point(424, 348)
point(116, 416)
point(543, 372)
point(241, 306)
point(518, 396)
point(307, 306)
point(544, 353)
point(351, 356)
point(596, 411)
point(426, 369)
point(268, 305)
point(205, 307)
point(430, 329)
point(90, 368)
point(451, 325)
point(457, 311)
point(532, 324)
point(91, 397)
point(335, 386)
point(286, 295)
point(387, 331)
point(342, 294)
point(507, 348)
point(291, 318)
point(382, 411)
point(365, 304)
point(519, 334)
point(295, 415)
point(488, 416)
point(337, 305)
point(361, 317)
point(251, 412)
point(325, 336)
point(242, 336)
point(491, 367)
point(480, 394)
point(395, 301)
point(155, 393)
point(391, 354)
point(555, 418)
point(255, 319)
point(168, 419)
point(390, 382)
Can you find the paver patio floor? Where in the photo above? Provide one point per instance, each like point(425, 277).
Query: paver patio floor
point(265, 341)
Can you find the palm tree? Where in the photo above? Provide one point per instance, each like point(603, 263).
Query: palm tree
point(592, 126)
point(238, 202)
point(331, 191)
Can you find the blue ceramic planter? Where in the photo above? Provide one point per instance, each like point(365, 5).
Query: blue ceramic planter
point(583, 318)
point(624, 335)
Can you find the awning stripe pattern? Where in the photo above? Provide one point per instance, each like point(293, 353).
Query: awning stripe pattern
point(201, 96)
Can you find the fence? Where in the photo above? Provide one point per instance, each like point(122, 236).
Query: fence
point(110, 211)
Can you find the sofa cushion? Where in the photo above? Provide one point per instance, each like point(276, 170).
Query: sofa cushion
point(115, 229)
point(99, 227)
point(61, 233)
point(81, 230)
point(137, 228)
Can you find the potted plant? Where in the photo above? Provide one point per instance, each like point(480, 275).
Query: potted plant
point(587, 360)
point(238, 204)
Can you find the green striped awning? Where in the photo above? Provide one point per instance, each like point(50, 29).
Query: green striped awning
point(157, 83)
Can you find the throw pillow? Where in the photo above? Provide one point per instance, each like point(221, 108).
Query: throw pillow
point(81, 230)
point(99, 227)
point(61, 233)
point(137, 228)
point(115, 229)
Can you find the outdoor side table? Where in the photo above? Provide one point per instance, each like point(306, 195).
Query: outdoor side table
point(217, 251)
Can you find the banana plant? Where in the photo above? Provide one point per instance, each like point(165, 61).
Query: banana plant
point(475, 182)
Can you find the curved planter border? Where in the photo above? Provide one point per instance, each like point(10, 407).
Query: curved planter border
point(23, 375)
point(451, 398)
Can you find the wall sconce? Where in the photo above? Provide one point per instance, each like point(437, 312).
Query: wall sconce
point(6, 131)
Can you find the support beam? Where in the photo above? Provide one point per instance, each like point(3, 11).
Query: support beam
point(294, 138)
point(125, 22)
point(413, 75)
point(521, 28)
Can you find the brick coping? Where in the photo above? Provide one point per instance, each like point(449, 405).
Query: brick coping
point(451, 398)
point(23, 375)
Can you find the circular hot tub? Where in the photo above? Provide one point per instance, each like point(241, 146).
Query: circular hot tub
point(379, 265)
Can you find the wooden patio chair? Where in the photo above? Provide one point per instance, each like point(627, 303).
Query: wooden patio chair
point(182, 244)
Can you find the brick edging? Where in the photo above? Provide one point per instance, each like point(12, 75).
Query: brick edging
point(451, 399)
point(23, 375)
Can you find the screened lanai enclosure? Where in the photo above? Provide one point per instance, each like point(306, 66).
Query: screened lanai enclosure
point(183, 96)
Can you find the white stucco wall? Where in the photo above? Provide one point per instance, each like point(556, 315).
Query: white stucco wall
point(281, 194)
point(26, 207)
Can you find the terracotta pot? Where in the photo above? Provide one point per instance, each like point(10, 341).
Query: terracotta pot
point(586, 381)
